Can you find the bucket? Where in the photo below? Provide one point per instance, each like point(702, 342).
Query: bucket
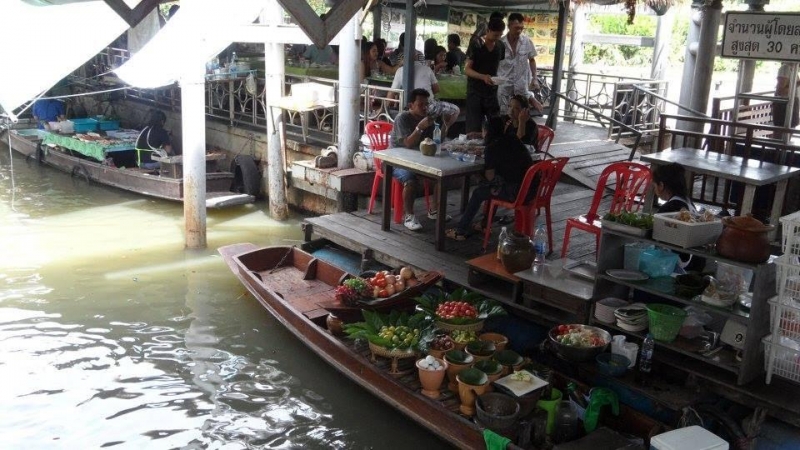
point(665, 321)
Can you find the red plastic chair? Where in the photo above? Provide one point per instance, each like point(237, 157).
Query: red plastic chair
point(379, 134)
point(544, 138)
point(525, 213)
point(632, 181)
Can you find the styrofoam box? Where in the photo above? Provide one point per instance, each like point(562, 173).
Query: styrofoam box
point(666, 228)
point(689, 438)
point(313, 92)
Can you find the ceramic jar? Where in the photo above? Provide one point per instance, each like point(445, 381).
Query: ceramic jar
point(431, 380)
point(471, 384)
point(456, 362)
point(516, 252)
point(744, 238)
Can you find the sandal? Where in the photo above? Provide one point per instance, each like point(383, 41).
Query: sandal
point(478, 227)
point(455, 235)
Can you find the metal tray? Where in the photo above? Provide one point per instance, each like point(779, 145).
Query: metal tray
point(583, 269)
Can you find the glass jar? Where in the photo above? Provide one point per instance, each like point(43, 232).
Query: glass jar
point(566, 423)
point(516, 252)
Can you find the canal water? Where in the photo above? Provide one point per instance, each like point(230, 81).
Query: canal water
point(112, 335)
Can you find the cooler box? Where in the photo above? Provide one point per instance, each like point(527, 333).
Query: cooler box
point(689, 438)
point(108, 125)
point(667, 228)
point(84, 125)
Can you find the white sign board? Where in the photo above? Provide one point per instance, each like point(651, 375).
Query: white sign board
point(750, 35)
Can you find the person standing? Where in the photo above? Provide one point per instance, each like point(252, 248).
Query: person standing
point(410, 128)
point(519, 65)
point(483, 58)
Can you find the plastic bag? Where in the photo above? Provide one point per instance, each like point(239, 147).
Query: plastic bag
point(696, 319)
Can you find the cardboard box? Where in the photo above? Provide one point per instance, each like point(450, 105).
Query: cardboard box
point(667, 228)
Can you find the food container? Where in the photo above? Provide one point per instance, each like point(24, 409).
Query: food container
point(657, 262)
point(497, 411)
point(83, 125)
point(744, 238)
point(622, 228)
point(694, 437)
point(579, 354)
point(667, 228)
point(612, 364)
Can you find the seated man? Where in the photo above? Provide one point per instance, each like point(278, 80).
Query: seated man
point(425, 79)
point(410, 128)
point(153, 139)
point(48, 110)
point(507, 160)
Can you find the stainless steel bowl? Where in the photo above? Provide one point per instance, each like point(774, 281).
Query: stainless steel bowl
point(579, 354)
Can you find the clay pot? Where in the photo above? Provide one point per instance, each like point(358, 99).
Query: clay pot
point(471, 384)
point(499, 340)
point(492, 369)
point(744, 238)
point(334, 325)
point(456, 362)
point(481, 350)
point(516, 252)
point(431, 380)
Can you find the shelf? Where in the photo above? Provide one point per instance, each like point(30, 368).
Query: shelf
point(724, 359)
point(656, 286)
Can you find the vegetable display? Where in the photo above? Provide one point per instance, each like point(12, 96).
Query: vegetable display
point(578, 336)
point(383, 285)
point(392, 331)
point(460, 307)
point(644, 221)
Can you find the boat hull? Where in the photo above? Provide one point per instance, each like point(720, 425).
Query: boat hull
point(218, 184)
point(252, 267)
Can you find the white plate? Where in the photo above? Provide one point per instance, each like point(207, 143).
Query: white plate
point(499, 80)
point(520, 388)
point(583, 269)
point(627, 275)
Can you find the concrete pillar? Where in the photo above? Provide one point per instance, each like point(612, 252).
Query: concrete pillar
point(274, 76)
point(658, 70)
point(748, 68)
point(377, 12)
point(193, 126)
point(575, 53)
point(706, 54)
point(409, 48)
point(690, 56)
point(558, 63)
point(349, 90)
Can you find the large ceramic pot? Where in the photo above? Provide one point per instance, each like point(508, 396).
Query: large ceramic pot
point(516, 252)
point(471, 384)
point(744, 238)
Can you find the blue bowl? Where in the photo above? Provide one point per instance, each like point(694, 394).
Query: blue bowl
point(612, 364)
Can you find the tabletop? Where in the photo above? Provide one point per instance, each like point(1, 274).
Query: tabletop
point(440, 166)
point(453, 87)
point(552, 275)
point(724, 166)
point(300, 105)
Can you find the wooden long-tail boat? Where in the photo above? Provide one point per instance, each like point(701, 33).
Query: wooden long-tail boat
point(290, 284)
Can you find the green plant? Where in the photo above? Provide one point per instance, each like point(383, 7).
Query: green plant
point(393, 330)
point(644, 221)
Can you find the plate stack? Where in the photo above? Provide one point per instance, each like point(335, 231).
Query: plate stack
point(604, 309)
point(632, 318)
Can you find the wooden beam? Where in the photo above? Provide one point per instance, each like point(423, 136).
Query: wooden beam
point(322, 31)
point(135, 15)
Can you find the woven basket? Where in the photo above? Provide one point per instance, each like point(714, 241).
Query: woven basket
point(392, 353)
point(665, 321)
point(477, 326)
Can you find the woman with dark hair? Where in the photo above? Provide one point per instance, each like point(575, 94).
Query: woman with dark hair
point(153, 138)
point(430, 49)
point(370, 62)
point(440, 61)
point(669, 184)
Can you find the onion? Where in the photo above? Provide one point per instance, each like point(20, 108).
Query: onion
point(399, 286)
point(391, 279)
point(406, 273)
point(389, 289)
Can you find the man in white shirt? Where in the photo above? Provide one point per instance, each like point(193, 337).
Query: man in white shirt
point(519, 65)
point(424, 78)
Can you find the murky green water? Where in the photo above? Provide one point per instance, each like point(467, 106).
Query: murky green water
point(112, 335)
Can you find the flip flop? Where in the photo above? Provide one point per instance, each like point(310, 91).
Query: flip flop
point(478, 227)
point(455, 235)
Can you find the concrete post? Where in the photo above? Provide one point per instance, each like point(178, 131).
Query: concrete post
point(409, 48)
point(349, 90)
point(690, 57)
point(748, 68)
point(658, 70)
point(558, 64)
point(706, 54)
point(193, 126)
point(273, 90)
point(575, 54)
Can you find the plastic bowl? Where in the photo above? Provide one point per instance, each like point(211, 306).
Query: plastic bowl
point(579, 354)
point(612, 364)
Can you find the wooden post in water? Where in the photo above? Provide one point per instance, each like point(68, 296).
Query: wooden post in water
point(193, 126)
point(275, 70)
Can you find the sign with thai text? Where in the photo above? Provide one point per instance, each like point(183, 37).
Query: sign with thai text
point(750, 35)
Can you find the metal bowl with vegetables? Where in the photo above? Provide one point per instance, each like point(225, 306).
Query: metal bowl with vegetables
point(577, 342)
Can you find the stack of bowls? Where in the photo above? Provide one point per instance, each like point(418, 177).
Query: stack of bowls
point(632, 318)
point(604, 309)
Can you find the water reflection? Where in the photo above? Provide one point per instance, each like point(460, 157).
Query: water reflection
point(114, 336)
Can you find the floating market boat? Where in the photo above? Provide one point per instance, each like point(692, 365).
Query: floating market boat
point(291, 284)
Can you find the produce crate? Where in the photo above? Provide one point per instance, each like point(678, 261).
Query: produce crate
point(788, 317)
point(785, 362)
point(622, 228)
point(791, 234)
point(667, 228)
point(787, 279)
point(84, 125)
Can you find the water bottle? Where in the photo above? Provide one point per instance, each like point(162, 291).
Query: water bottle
point(540, 245)
point(646, 359)
point(437, 137)
point(500, 239)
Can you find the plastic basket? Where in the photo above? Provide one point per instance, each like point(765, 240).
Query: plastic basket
point(665, 321)
point(785, 362)
point(787, 279)
point(789, 322)
point(791, 233)
point(84, 125)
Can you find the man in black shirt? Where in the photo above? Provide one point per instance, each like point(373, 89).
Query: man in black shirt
point(483, 58)
point(455, 56)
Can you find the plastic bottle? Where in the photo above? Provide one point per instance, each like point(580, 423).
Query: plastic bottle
point(502, 237)
point(540, 245)
point(646, 359)
point(437, 137)
point(572, 392)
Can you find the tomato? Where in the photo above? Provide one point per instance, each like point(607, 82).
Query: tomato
point(382, 293)
point(380, 282)
point(563, 329)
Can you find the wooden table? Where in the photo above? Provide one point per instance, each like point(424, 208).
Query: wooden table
point(752, 173)
point(488, 266)
point(439, 168)
point(557, 288)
